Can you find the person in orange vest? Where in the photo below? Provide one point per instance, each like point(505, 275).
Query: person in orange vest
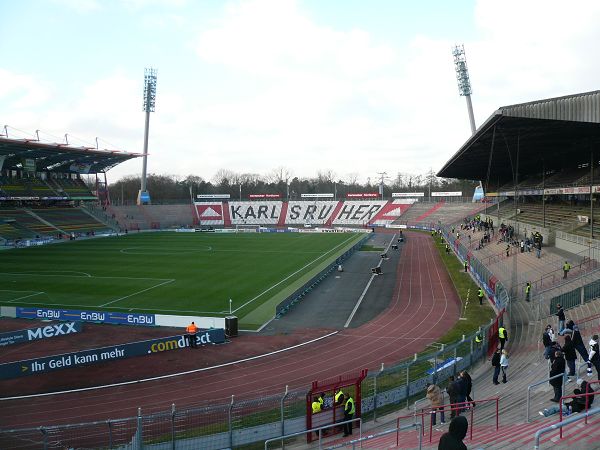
point(191, 331)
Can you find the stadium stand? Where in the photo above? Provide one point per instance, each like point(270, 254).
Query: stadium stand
point(27, 222)
point(71, 220)
point(316, 212)
point(170, 216)
point(74, 189)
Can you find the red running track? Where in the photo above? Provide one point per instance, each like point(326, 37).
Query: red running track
point(424, 306)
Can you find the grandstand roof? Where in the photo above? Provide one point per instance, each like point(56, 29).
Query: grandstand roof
point(59, 157)
point(553, 133)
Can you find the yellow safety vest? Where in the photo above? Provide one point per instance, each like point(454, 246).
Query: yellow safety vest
point(567, 266)
point(337, 396)
point(351, 401)
point(316, 407)
point(478, 338)
point(527, 289)
point(480, 293)
point(501, 331)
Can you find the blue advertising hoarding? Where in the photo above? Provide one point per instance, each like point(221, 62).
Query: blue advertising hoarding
point(117, 318)
point(32, 334)
point(105, 354)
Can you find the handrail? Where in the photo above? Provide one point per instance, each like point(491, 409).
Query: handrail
point(383, 433)
point(560, 425)
point(583, 394)
point(318, 430)
point(451, 407)
point(528, 403)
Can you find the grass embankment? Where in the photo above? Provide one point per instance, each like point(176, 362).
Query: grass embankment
point(370, 248)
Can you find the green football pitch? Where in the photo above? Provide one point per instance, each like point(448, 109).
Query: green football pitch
point(170, 273)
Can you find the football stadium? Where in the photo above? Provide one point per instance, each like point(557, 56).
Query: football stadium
point(460, 310)
point(105, 293)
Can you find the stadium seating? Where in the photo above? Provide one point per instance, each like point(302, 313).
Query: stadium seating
point(70, 220)
point(307, 212)
point(75, 189)
point(169, 216)
point(26, 222)
point(358, 212)
point(255, 213)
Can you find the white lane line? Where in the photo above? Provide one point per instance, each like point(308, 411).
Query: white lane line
point(136, 293)
point(26, 296)
point(364, 292)
point(38, 274)
point(162, 377)
point(291, 275)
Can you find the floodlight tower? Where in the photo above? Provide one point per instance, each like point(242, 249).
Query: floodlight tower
point(149, 105)
point(462, 76)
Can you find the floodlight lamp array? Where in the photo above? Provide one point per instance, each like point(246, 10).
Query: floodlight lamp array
point(462, 72)
point(149, 90)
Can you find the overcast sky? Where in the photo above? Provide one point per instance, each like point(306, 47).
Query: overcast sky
point(351, 86)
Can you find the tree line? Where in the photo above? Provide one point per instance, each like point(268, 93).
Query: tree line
point(177, 189)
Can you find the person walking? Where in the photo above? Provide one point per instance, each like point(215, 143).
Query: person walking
point(507, 250)
point(496, 365)
point(527, 291)
point(566, 268)
point(504, 364)
point(349, 411)
point(466, 265)
point(502, 336)
point(570, 356)
point(436, 399)
point(453, 438)
point(560, 313)
point(191, 331)
point(573, 330)
point(557, 368)
point(538, 249)
point(480, 296)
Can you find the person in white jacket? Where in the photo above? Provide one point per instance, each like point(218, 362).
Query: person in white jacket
point(594, 356)
point(504, 364)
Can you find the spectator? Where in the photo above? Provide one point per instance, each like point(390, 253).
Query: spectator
point(453, 439)
point(573, 329)
point(570, 356)
point(594, 357)
point(504, 364)
point(557, 368)
point(560, 313)
point(496, 365)
point(527, 291)
point(452, 391)
point(436, 398)
point(548, 340)
point(469, 385)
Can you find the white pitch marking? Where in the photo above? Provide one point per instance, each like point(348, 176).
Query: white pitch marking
point(26, 296)
point(292, 274)
point(136, 293)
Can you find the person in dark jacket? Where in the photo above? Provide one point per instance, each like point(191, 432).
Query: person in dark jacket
point(570, 355)
point(496, 365)
point(453, 439)
point(469, 385)
point(557, 368)
point(573, 330)
point(548, 340)
point(452, 392)
point(461, 393)
point(560, 313)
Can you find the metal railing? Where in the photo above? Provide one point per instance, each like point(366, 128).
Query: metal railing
point(547, 380)
point(574, 396)
point(560, 425)
point(318, 430)
point(360, 441)
point(452, 407)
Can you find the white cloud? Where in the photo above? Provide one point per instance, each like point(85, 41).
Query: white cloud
point(21, 91)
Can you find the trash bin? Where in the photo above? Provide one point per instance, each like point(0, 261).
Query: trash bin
point(231, 326)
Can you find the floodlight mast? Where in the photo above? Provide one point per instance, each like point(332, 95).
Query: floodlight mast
point(462, 76)
point(149, 106)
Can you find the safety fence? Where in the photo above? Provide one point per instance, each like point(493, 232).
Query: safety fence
point(245, 421)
